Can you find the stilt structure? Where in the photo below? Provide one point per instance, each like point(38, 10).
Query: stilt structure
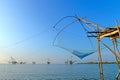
point(12, 61)
point(71, 60)
point(94, 30)
point(48, 61)
point(100, 60)
point(112, 33)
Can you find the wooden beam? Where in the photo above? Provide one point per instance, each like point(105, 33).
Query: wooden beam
point(109, 34)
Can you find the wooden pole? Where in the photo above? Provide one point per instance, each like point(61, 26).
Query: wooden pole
point(116, 57)
point(117, 62)
point(100, 60)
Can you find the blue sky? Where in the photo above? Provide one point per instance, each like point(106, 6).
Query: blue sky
point(22, 19)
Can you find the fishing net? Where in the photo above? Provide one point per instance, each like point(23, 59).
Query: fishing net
point(77, 45)
point(73, 37)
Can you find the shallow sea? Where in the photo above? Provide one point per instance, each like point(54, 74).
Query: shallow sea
point(55, 72)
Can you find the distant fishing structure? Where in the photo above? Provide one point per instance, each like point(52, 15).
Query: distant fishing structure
point(48, 61)
point(96, 31)
point(14, 61)
point(70, 61)
point(33, 62)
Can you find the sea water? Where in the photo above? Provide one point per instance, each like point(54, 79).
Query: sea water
point(56, 72)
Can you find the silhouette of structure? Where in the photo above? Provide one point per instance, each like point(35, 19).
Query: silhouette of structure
point(22, 62)
point(70, 61)
point(12, 61)
point(33, 62)
point(48, 61)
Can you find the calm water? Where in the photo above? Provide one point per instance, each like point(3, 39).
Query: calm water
point(56, 72)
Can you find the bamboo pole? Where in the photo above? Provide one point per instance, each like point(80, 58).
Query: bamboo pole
point(115, 47)
point(100, 60)
point(116, 57)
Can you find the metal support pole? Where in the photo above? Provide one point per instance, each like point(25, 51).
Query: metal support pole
point(100, 61)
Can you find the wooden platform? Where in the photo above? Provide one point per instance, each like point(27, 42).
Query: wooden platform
point(112, 33)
